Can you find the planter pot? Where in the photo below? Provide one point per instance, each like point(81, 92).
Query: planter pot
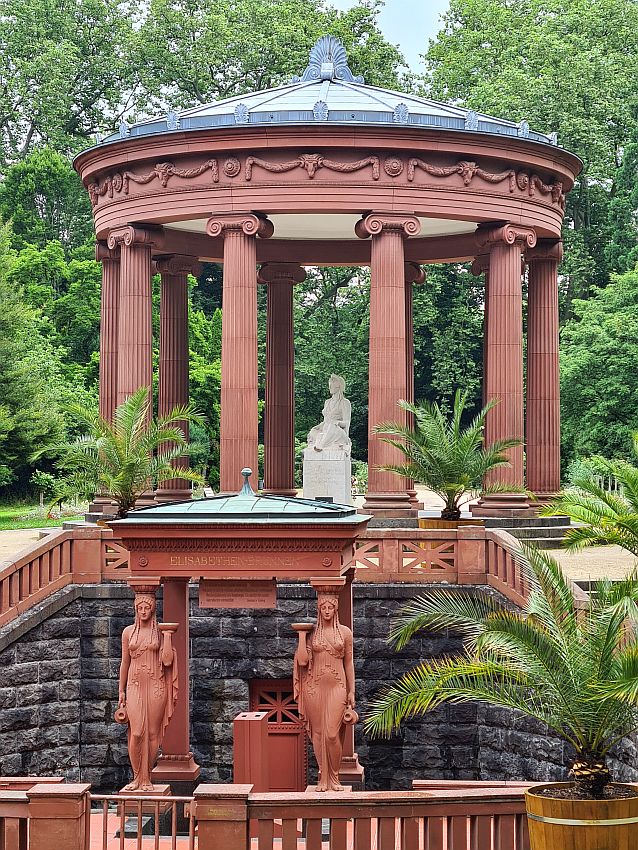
point(556, 824)
point(437, 522)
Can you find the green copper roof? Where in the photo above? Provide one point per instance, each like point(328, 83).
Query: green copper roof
point(247, 508)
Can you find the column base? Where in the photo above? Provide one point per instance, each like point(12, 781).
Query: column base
point(541, 500)
point(389, 505)
point(175, 769)
point(503, 505)
point(146, 500)
point(414, 502)
point(101, 505)
point(278, 491)
point(163, 495)
point(352, 773)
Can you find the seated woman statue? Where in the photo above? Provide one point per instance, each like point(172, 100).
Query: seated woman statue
point(332, 433)
point(148, 688)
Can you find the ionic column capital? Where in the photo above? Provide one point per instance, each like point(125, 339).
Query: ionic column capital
point(103, 254)
point(247, 223)
point(481, 264)
point(509, 234)
point(377, 223)
point(174, 264)
point(545, 250)
point(414, 273)
point(130, 235)
point(289, 273)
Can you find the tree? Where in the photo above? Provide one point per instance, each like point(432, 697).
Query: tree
point(45, 201)
point(31, 383)
point(551, 662)
point(565, 66)
point(122, 458)
point(194, 51)
point(440, 453)
point(599, 405)
point(65, 71)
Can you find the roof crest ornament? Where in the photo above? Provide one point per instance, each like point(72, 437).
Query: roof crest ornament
point(246, 489)
point(328, 61)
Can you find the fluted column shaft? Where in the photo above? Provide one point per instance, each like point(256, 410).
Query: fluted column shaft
point(239, 416)
point(109, 318)
point(413, 274)
point(174, 357)
point(135, 325)
point(388, 380)
point(504, 362)
point(543, 376)
point(279, 413)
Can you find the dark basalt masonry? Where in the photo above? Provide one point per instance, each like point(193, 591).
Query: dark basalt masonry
point(59, 667)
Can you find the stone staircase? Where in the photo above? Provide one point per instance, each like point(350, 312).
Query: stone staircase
point(544, 532)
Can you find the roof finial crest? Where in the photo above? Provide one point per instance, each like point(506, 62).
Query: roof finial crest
point(246, 490)
point(328, 61)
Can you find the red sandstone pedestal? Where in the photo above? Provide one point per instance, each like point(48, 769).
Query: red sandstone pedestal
point(148, 805)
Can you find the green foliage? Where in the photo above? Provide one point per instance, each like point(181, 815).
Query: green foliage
point(31, 383)
point(552, 662)
point(440, 453)
point(66, 70)
point(125, 457)
point(603, 516)
point(45, 201)
point(194, 51)
point(599, 381)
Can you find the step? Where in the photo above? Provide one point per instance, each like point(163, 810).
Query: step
point(545, 542)
point(525, 522)
point(535, 532)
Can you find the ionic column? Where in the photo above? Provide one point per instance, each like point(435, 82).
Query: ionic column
point(109, 317)
point(135, 328)
point(174, 356)
point(413, 274)
point(388, 382)
point(504, 363)
point(543, 376)
point(239, 418)
point(279, 413)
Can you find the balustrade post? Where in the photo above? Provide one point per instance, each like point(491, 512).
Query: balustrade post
point(58, 816)
point(221, 812)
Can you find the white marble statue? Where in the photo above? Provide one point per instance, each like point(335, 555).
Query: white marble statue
point(332, 432)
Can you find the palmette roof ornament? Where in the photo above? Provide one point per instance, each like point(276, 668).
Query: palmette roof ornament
point(328, 61)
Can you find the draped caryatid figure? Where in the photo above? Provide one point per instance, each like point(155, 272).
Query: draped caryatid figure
point(324, 686)
point(148, 688)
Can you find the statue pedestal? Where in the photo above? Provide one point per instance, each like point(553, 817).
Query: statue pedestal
point(327, 473)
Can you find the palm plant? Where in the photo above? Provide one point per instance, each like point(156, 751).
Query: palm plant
point(122, 459)
point(443, 455)
point(603, 517)
point(569, 668)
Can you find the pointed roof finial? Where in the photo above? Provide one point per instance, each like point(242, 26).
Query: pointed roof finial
point(247, 490)
point(328, 61)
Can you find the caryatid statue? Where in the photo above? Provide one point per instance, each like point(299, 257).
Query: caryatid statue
point(148, 688)
point(333, 431)
point(324, 686)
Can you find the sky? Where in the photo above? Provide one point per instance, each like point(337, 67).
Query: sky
point(407, 23)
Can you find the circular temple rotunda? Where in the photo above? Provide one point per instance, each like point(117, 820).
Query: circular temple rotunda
point(329, 171)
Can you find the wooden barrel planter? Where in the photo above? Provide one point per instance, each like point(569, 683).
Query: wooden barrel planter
point(557, 824)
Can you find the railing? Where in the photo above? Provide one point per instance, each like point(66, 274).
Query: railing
point(468, 819)
point(503, 568)
point(14, 809)
point(172, 822)
point(80, 555)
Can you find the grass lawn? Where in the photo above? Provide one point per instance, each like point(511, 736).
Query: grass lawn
point(30, 516)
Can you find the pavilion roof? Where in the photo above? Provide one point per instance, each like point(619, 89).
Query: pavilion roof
point(246, 507)
point(328, 93)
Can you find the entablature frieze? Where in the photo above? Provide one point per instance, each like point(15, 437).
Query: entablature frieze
point(231, 544)
point(282, 168)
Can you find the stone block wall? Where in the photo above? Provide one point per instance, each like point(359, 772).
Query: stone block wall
point(59, 666)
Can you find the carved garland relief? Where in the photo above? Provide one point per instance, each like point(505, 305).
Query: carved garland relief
point(311, 163)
